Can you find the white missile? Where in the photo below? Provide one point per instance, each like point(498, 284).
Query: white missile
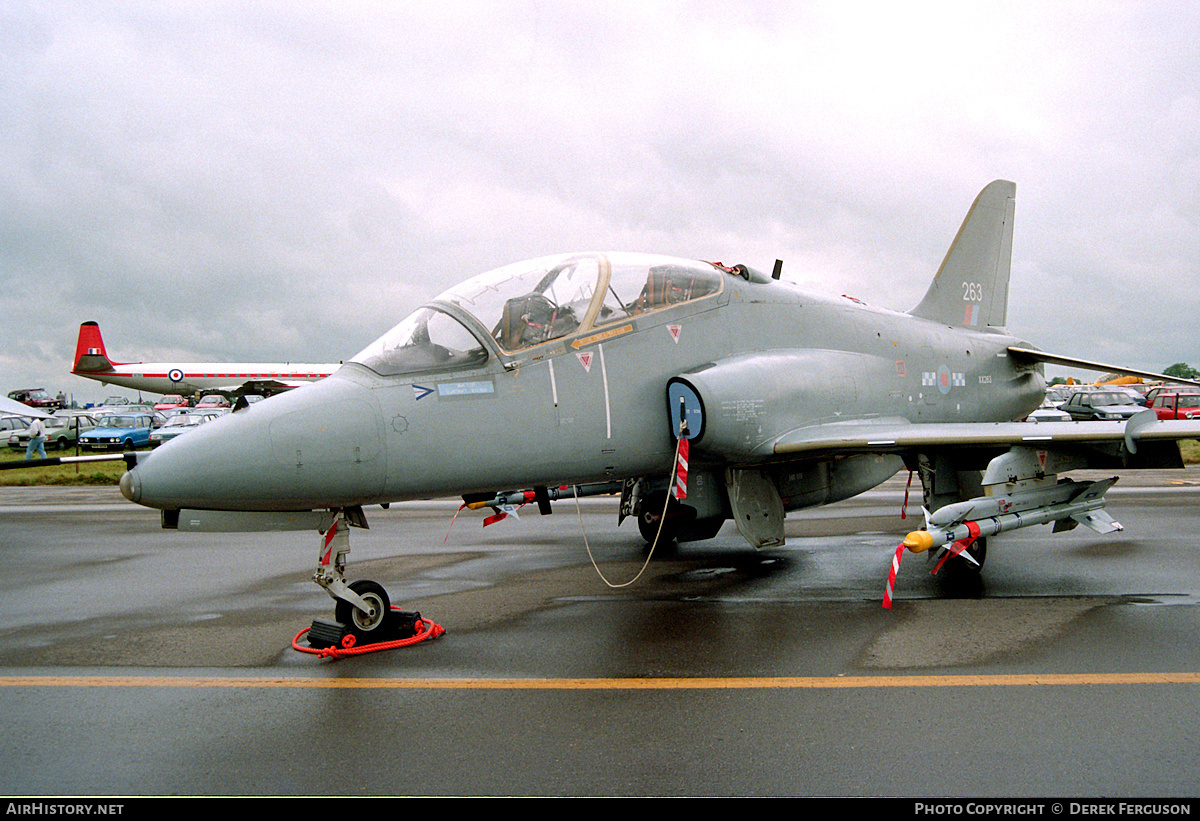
point(989, 515)
point(1028, 498)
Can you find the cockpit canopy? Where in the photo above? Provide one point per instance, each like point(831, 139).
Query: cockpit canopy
point(534, 302)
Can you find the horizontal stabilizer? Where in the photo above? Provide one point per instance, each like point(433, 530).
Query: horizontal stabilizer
point(1029, 355)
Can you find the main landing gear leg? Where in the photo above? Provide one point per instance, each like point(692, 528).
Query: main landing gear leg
point(362, 607)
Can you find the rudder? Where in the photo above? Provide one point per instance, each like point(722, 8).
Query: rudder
point(971, 286)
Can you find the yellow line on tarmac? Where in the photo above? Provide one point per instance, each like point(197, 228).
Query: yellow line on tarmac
point(764, 683)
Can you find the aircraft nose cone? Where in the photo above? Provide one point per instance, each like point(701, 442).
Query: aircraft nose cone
point(131, 486)
point(317, 446)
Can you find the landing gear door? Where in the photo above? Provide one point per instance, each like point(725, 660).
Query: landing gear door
point(756, 506)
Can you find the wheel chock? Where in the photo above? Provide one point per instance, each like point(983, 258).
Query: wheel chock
point(333, 639)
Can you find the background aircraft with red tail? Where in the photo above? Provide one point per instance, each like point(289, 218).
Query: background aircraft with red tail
point(92, 362)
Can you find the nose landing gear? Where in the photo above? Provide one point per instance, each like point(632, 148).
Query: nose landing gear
point(364, 619)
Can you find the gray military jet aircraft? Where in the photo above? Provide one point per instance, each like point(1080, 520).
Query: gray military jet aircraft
point(586, 370)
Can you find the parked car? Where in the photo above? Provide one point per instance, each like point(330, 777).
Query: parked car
point(71, 413)
point(180, 424)
point(11, 423)
point(1153, 392)
point(1108, 404)
point(120, 431)
point(35, 398)
point(1176, 405)
point(170, 402)
point(1049, 412)
point(61, 432)
point(246, 400)
point(1057, 395)
point(212, 400)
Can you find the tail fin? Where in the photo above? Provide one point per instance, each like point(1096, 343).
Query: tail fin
point(971, 287)
point(90, 356)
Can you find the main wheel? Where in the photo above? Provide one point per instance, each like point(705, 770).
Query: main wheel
point(959, 566)
point(651, 512)
point(365, 626)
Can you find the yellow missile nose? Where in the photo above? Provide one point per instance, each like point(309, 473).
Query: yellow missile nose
point(918, 541)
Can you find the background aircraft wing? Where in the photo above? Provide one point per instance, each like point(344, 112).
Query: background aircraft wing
point(897, 435)
point(266, 387)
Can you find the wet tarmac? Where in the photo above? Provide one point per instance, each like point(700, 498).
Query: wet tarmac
point(137, 661)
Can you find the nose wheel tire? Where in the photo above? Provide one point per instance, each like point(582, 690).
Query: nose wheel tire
point(365, 626)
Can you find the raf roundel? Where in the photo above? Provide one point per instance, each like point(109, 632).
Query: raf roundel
point(943, 379)
point(175, 375)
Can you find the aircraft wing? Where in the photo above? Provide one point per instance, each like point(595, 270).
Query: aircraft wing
point(263, 386)
point(897, 435)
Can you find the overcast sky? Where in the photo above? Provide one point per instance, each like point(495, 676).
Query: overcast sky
point(272, 181)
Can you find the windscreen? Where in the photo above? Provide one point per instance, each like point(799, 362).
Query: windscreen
point(528, 303)
point(537, 301)
point(427, 340)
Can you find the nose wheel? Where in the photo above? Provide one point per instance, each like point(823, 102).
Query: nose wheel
point(369, 625)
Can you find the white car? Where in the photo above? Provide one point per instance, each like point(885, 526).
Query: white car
point(179, 424)
point(1048, 412)
point(61, 432)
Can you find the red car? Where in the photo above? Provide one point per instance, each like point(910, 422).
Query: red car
point(212, 400)
point(170, 402)
point(1176, 405)
point(36, 398)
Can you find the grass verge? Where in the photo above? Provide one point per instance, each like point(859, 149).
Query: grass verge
point(109, 473)
point(81, 473)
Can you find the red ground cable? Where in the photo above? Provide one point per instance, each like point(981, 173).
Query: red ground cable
point(426, 630)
